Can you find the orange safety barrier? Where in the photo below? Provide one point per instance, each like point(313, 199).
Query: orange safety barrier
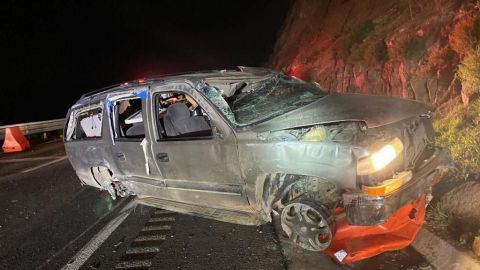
point(354, 243)
point(14, 140)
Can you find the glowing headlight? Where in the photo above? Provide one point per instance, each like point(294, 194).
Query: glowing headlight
point(381, 158)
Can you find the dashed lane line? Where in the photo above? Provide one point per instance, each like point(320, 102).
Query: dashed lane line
point(44, 164)
point(148, 238)
point(142, 250)
point(161, 212)
point(161, 219)
point(135, 264)
point(147, 244)
point(62, 158)
point(157, 228)
point(14, 160)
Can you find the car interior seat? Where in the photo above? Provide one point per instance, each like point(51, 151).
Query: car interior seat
point(137, 130)
point(178, 122)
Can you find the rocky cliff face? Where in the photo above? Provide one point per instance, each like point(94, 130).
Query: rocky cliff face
point(403, 48)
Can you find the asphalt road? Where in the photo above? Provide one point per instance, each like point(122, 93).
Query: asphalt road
point(49, 221)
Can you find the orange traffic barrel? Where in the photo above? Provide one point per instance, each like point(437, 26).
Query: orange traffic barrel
point(14, 140)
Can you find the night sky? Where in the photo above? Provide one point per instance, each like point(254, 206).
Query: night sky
point(54, 51)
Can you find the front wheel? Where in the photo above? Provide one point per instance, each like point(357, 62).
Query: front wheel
point(308, 224)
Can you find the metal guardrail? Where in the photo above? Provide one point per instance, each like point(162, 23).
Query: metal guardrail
point(35, 127)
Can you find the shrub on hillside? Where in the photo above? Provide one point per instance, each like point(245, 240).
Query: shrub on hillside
point(355, 36)
point(415, 48)
point(438, 58)
point(375, 52)
point(458, 130)
point(395, 51)
point(469, 71)
point(372, 51)
point(407, 46)
point(465, 34)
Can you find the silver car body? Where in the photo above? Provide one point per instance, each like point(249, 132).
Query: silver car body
point(241, 173)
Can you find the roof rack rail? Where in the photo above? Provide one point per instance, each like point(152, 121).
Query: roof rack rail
point(162, 76)
point(98, 91)
point(159, 77)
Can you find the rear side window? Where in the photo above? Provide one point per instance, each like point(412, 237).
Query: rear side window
point(86, 125)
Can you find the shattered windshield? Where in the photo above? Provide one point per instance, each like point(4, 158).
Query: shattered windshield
point(264, 99)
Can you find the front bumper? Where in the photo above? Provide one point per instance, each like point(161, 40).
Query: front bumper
point(366, 210)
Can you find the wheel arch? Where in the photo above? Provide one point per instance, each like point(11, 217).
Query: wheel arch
point(275, 190)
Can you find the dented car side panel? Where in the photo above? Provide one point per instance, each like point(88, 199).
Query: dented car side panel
point(91, 153)
point(327, 160)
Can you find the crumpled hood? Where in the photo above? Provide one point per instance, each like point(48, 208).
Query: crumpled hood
point(373, 110)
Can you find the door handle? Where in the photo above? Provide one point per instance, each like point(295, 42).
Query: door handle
point(163, 157)
point(120, 156)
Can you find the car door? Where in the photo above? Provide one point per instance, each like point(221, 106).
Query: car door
point(200, 169)
point(85, 137)
point(127, 114)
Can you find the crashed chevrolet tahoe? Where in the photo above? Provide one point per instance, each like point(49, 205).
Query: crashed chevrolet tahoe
point(237, 146)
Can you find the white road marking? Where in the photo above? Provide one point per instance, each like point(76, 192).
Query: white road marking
point(27, 159)
point(82, 234)
point(161, 219)
point(44, 164)
point(156, 228)
point(162, 211)
point(134, 264)
point(147, 238)
point(142, 250)
point(82, 256)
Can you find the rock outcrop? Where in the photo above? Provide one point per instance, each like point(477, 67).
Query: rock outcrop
point(462, 203)
point(408, 49)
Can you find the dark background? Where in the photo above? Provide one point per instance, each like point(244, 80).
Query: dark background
point(54, 51)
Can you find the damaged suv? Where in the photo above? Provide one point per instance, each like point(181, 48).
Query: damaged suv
point(346, 174)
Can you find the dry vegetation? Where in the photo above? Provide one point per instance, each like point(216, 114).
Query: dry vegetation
point(439, 57)
point(465, 34)
point(458, 125)
point(469, 71)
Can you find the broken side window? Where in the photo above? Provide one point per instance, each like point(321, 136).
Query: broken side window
point(88, 124)
point(216, 97)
